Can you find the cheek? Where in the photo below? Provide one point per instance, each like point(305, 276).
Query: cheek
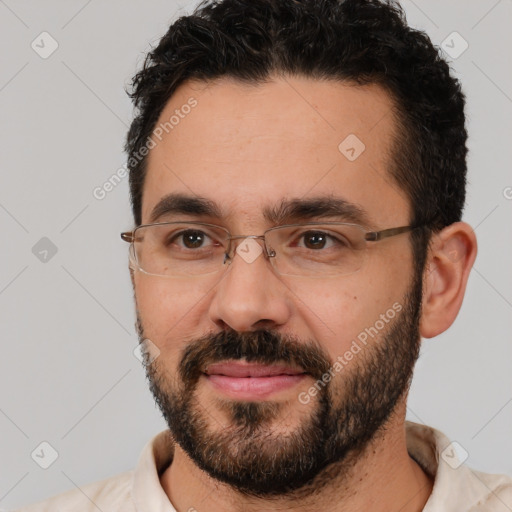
point(348, 308)
point(333, 312)
point(168, 308)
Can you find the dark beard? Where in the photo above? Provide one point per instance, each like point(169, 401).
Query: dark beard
point(247, 453)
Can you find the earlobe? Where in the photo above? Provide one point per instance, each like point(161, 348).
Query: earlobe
point(450, 257)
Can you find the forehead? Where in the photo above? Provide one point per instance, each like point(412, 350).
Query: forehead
point(248, 147)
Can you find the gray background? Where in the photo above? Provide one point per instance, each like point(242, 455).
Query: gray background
point(68, 372)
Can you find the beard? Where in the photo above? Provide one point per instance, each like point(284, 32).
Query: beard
point(250, 452)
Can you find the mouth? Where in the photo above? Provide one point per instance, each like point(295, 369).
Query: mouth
point(252, 381)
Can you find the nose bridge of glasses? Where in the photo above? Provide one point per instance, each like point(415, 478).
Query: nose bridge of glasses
point(240, 238)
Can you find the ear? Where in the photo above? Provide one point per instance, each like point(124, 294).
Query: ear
point(450, 257)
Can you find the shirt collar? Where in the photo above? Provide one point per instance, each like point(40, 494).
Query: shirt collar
point(456, 486)
point(147, 492)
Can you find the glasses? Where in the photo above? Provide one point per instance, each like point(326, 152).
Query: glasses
point(183, 249)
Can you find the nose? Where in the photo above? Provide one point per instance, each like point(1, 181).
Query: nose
point(250, 295)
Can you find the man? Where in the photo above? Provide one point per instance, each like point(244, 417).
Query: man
point(297, 174)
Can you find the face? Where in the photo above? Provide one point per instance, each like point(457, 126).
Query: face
point(266, 379)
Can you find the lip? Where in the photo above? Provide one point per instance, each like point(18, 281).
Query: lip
point(243, 369)
point(252, 381)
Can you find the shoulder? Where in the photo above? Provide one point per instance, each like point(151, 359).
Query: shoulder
point(112, 494)
point(457, 486)
point(496, 492)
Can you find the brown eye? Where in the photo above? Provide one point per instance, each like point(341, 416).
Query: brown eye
point(193, 239)
point(189, 239)
point(315, 239)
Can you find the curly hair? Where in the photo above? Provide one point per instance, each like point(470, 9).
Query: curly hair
point(356, 41)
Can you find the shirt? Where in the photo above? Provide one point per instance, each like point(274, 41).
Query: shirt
point(457, 487)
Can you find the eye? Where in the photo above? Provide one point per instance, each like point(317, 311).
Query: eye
point(316, 240)
point(190, 238)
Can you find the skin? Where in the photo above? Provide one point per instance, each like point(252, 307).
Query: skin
point(244, 147)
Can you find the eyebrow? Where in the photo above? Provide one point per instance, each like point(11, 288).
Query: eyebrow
point(320, 207)
point(287, 211)
point(181, 204)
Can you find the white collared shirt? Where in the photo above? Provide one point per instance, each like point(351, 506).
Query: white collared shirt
point(457, 488)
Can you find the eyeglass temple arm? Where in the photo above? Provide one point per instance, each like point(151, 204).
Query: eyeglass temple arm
point(127, 236)
point(375, 236)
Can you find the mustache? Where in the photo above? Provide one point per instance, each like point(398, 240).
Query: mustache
point(260, 346)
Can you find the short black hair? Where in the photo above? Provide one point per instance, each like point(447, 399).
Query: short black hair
point(354, 41)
